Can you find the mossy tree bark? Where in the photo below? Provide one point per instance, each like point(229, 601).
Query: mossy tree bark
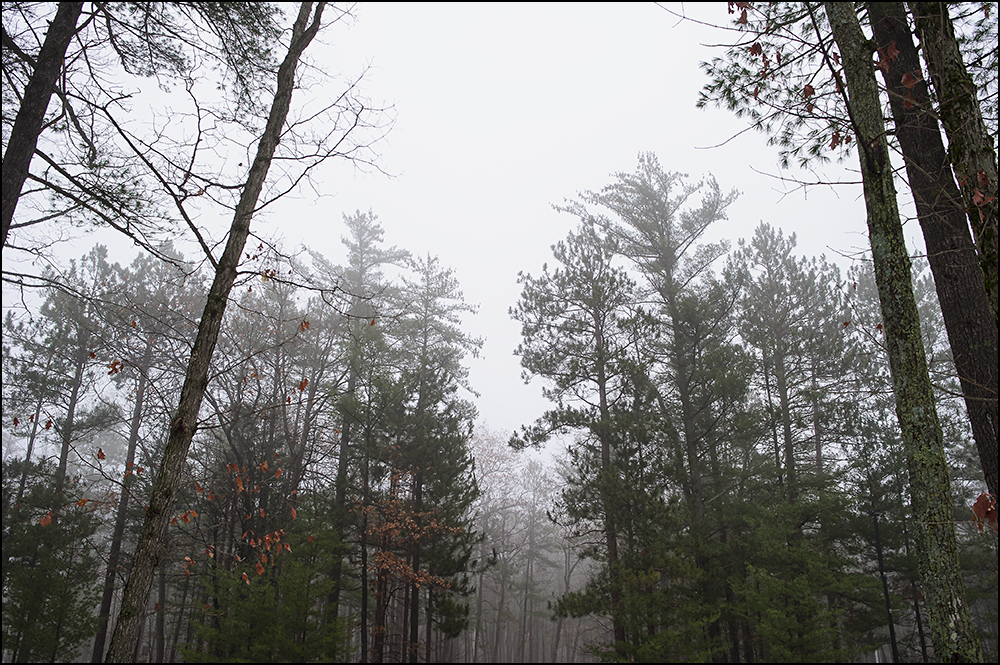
point(930, 489)
point(941, 211)
point(971, 149)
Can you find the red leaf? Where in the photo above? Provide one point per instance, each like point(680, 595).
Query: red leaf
point(198, 487)
point(302, 384)
point(47, 520)
point(100, 454)
point(48, 425)
point(847, 323)
point(985, 510)
point(260, 568)
point(878, 327)
point(373, 322)
point(15, 422)
point(294, 515)
point(743, 17)
point(277, 474)
point(808, 91)
point(909, 80)
point(756, 49)
point(246, 579)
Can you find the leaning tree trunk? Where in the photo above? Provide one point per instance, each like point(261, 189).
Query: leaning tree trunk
point(930, 488)
point(183, 425)
point(31, 114)
point(950, 250)
point(972, 155)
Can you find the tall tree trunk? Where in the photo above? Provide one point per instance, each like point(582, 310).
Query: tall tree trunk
point(950, 250)
point(414, 637)
point(183, 425)
point(31, 114)
point(972, 155)
point(930, 489)
point(116, 539)
point(66, 433)
point(781, 379)
point(607, 498)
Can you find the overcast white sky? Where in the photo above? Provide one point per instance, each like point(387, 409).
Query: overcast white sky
point(505, 109)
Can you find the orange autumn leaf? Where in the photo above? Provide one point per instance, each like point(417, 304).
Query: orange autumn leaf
point(294, 515)
point(82, 502)
point(246, 579)
point(100, 454)
point(260, 568)
point(239, 484)
point(277, 474)
point(197, 487)
point(47, 520)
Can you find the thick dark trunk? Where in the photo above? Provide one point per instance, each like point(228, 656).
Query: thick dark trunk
point(31, 114)
point(950, 250)
point(183, 425)
point(972, 155)
point(930, 488)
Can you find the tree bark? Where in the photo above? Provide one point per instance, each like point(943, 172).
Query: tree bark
point(31, 114)
point(950, 249)
point(930, 489)
point(185, 421)
point(972, 155)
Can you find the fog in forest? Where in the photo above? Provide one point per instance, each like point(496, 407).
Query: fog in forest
point(499, 333)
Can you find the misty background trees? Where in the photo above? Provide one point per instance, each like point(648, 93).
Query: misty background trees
point(724, 426)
